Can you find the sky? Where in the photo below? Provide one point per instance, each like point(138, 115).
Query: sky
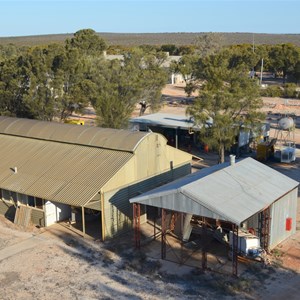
point(35, 17)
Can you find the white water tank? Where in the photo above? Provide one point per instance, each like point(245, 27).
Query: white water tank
point(286, 123)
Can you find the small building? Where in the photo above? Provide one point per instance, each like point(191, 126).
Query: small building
point(244, 194)
point(62, 171)
point(174, 78)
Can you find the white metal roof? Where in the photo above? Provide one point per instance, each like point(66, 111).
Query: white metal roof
point(166, 120)
point(229, 192)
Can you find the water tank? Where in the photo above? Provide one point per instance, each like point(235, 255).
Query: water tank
point(286, 123)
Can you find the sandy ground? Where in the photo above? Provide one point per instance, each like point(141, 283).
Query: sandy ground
point(59, 265)
point(55, 263)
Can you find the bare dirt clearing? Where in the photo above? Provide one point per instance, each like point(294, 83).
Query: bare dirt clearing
point(61, 263)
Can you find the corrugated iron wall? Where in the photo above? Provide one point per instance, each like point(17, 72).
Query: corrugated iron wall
point(118, 210)
point(253, 222)
point(38, 217)
point(285, 207)
point(7, 209)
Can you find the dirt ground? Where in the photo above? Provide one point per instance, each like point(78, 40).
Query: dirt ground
point(56, 263)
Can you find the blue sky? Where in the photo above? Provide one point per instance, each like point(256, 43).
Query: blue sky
point(19, 18)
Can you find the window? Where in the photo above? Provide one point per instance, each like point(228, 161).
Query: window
point(39, 203)
point(8, 195)
point(30, 200)
point(22, 198)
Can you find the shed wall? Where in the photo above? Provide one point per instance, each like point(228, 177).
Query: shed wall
point(38, 217)
point(253, 222)
point(7, 209)
point(153, 156)
point(118, 210)
point(285, 207)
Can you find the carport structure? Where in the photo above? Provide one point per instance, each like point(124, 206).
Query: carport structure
point(177, 128)
point(53, 167)
point(245, 194)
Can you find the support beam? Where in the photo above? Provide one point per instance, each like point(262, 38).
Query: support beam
point(235, 239)
point(83, 221)
point(204, 253)
point(137, 224)
point(154, 228)
point(264, 228)
point(187, 227)
point(163, 233)
point(181, 241)
point(102, 217)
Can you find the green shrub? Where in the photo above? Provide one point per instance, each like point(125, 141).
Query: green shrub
point(290, 90)
point(272, 91)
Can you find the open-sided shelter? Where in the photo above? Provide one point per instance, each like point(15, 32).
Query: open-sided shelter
point(246, 194)
point(54, 168)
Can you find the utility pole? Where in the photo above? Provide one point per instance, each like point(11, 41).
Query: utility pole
point(253, 55)
point(261, 70)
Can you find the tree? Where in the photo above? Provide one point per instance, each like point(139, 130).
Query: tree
point(208, 43)
point(14, 86)
point(283, 58)
point(171, 48)
point(185, 66)
point(55, 83)
point(87, 42)
point(229, 98)
point(188, 65)
point(297, 72)
point(120, 85)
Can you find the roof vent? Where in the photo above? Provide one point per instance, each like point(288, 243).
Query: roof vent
point(232, 159)
point(15, 170)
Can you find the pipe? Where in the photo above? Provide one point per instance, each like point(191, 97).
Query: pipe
point(232, 159)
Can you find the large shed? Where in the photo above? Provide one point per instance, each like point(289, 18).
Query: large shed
point(246, 194)
point(53, 168)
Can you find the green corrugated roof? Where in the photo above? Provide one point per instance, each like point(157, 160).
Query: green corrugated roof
point(114, 139)
point(66, 173)
point(60, 162)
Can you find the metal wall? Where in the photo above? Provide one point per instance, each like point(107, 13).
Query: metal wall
point(118, 210)
point(7, 209)
point(38, 217)
point(285, 207)
point(253, 222)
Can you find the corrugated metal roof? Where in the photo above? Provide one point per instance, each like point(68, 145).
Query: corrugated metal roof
point(123, 140)
point(67, 173)
point(166, 120)
point(233, 192)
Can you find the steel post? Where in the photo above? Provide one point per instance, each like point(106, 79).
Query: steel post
point(163, 233)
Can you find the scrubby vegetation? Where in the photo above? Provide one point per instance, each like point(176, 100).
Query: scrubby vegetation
point(158, 39)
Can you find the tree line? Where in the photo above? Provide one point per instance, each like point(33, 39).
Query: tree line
point(53, 81)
